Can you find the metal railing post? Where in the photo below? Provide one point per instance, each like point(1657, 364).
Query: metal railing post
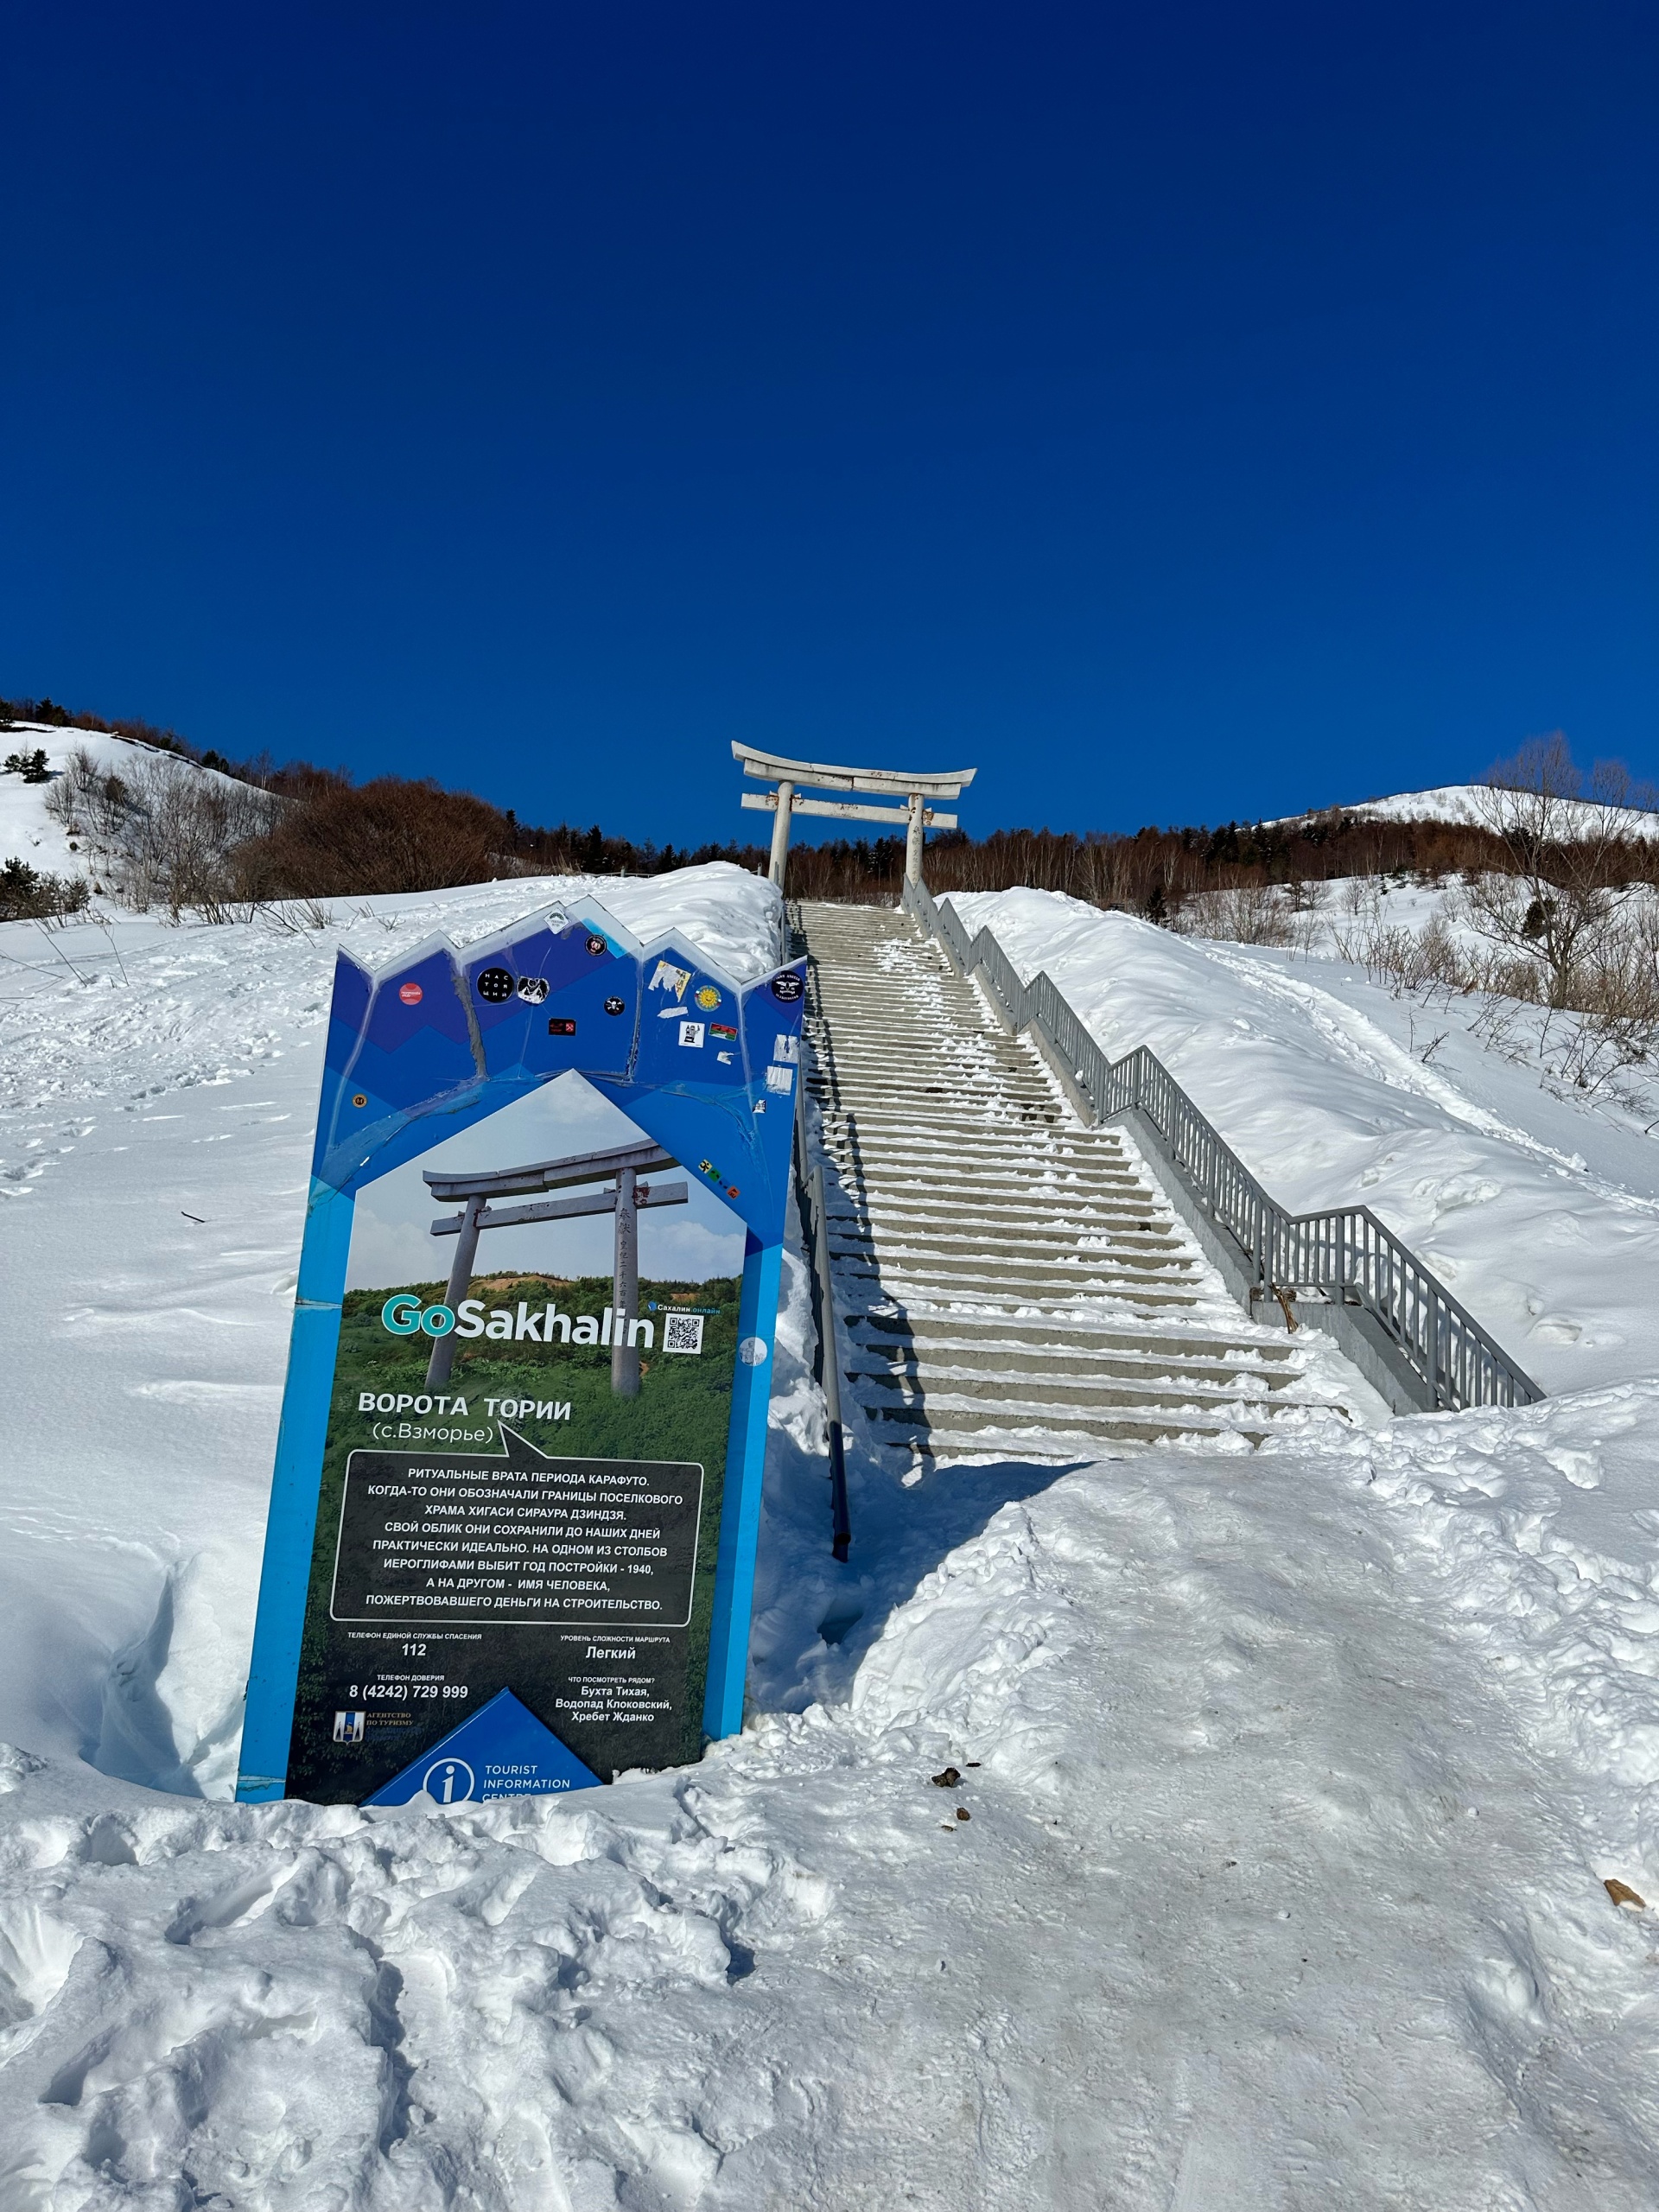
point(814, 1220)
point(840, 1520)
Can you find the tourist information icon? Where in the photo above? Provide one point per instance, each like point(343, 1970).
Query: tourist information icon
point(512, 1540)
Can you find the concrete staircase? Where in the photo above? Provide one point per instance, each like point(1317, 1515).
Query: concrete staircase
point(1007, 1280)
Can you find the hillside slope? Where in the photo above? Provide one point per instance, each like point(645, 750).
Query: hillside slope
point(1465, 803)
point(28, 830)
point(1293, 1778)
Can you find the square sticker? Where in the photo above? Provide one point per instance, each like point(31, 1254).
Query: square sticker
point(682, 1333)
point(781, 1079)
point(691, 1032)
point(787, 1048)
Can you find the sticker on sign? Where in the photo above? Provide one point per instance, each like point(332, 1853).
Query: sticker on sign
point(682, 1333)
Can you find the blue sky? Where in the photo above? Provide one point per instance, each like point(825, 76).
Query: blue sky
point(1181, 413)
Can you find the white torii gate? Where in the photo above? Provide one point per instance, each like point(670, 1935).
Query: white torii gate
point(892, 783)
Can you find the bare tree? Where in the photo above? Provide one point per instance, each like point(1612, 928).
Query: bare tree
point(165, 833)
point(1570, 852)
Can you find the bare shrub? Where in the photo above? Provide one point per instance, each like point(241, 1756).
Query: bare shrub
point(1567, 842)
point(164, 834)
point(1242, 913)
point(297, 917)
point(1397, 957)
point(1608, 1024)
point(66, 800)
point(179, 832)
point(390, 835)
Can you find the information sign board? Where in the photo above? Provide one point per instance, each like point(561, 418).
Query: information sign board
point(513, 1519)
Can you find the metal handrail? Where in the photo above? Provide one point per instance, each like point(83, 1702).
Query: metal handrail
point(1346, 1253)
point(815, 1236)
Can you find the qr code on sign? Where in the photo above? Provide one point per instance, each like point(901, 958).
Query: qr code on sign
point(682, 1333)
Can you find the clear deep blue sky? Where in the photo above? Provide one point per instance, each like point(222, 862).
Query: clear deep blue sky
point(1182, 412)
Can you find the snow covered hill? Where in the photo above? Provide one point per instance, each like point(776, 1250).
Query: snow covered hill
point(1293, 1779)
point(1463, 803)
point(28, 832)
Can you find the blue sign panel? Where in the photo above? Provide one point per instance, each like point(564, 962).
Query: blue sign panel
point(517, 1485)
point(502, 1751)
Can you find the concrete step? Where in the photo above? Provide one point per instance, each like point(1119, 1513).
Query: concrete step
point(921, 1219)
point(1001, 1361)
point(1057, 1394)
point(993, 1131)
point(975, 1100)
point(980, 1173)
point(1053, 1330)
point(1034, 1432)
point(936, 1020)
point(957, 1096)
point(1014, 1200)
point(1067, 1247)
point(992, 1266)
point(1029, 1149)
point(1015, 1139)
point(1130, 1291)
point(1039, 1146)
point(1018, 1059)
point(889, 1233)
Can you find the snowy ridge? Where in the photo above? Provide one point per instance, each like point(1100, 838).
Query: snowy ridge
point(1463, 803)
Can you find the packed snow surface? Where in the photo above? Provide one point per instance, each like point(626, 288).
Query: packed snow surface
point(1293, 1779)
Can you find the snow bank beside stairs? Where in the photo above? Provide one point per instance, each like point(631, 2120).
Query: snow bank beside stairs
point(1561, 1264)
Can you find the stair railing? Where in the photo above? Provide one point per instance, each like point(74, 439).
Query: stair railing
point(815, 1238)
point(1367, 1286)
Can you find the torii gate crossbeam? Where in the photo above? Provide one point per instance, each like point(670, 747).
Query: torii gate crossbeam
point(915, 788)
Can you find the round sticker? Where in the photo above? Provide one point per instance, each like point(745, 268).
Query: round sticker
point(495, 985)
point(708, 998)
point(786, 989)
point(615, 1006)
point(359, 1099)
point(595, 945)
point(410, 994)
point(533, 989)
point(753, 1351)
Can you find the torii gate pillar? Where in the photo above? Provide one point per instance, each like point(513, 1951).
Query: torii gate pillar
point(913, 836)
point(917, 790)
point(781, 832)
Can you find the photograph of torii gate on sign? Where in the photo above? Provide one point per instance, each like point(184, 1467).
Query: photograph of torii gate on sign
point(918, 815)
